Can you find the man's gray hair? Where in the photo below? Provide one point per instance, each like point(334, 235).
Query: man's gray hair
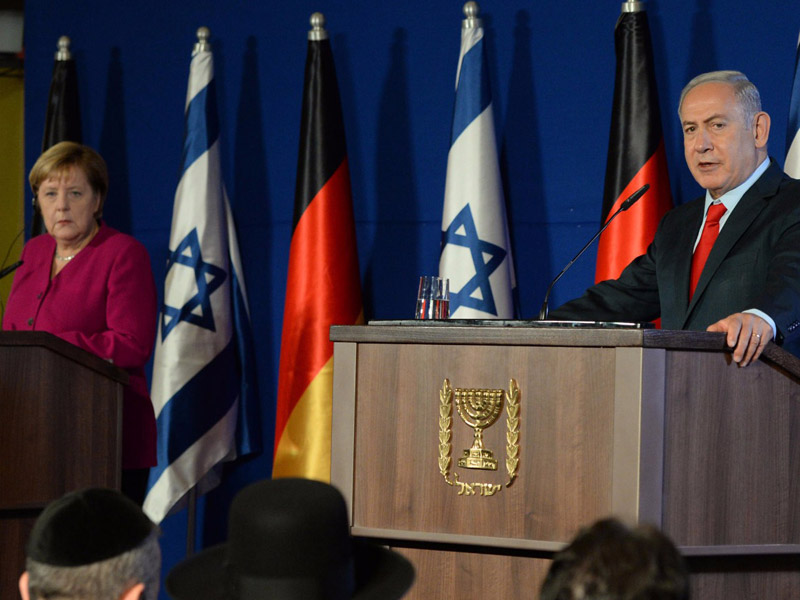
point(746, 93)
point(101, 580)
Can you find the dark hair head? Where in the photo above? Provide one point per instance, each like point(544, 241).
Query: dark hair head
point(610, 561)
point(87, 526)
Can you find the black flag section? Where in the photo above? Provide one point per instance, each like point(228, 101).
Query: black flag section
point(63, 119)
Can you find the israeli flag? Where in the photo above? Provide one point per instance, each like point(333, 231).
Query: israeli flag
point(203, 387)
point(792, 164)
point(476, 250)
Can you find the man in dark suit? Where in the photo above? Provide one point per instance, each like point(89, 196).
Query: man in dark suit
point(749, 285)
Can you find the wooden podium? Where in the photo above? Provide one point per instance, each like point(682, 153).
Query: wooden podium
point(61, 424)
point(653, 426)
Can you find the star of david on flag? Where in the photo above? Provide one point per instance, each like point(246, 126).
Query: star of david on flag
point(204, 392)
point(207, 278)
point(476, 249)
point(486, 257)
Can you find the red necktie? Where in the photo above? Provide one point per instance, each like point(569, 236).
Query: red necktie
point(710, 233)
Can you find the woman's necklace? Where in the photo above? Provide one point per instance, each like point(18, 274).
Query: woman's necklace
point(83, 245)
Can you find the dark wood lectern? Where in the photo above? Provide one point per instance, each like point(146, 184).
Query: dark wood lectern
point(61, 419)
point(653, 426)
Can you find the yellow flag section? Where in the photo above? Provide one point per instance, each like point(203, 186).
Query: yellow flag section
point(323, 284)
point(12, 174)
point(303, 447)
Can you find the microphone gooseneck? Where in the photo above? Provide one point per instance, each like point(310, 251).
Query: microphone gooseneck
point(10, 269)
point(630, 201)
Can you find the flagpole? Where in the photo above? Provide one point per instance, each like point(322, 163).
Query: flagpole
point(471, 10)
point(204, 389)
point(475, 252)
point(202, 45)
point(62, 120)
point(630, 6)
point(636, 153)
point(191, 524)
point(323, 284)
point(317, 33)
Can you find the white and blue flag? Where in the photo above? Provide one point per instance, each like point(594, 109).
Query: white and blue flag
point(203, 388)
point(476, 251)
point(792, 163)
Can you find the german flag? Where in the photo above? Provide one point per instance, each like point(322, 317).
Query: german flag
point(323, 286)
point(62, 122)
point(635, 149)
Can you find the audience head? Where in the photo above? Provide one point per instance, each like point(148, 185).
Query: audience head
point(93, 544)
point(288, 539)
point(611, 561)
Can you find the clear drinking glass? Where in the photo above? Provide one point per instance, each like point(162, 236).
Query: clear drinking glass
point(425, 296)
point(433, 298)
point(441, 299)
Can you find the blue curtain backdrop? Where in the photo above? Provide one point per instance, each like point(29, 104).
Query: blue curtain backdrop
point(552, 69)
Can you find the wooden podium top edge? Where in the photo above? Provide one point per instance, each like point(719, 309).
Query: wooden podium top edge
point(65, 349)
point(407, 332)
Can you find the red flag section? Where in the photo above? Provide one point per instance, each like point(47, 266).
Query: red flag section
point(323, 286)
point(632, 231)
point(635, 151)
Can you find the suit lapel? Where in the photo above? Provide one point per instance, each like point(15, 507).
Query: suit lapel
point(748, 208)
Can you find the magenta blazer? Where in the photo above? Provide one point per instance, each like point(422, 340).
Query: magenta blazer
point(104, 301)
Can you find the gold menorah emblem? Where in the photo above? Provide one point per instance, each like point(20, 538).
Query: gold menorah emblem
point(479, 409)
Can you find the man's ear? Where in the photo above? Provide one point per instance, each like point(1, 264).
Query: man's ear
point(761, 124)
point(23, 586)
point(134, 593)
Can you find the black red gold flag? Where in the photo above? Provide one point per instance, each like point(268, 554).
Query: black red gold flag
point(635, 149)
point(63, 118)
point(323, 285)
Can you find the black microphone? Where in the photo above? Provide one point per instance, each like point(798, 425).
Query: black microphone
point(631, 200)
point(10, 269)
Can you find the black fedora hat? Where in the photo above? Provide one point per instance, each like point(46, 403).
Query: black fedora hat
point(288, 539)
